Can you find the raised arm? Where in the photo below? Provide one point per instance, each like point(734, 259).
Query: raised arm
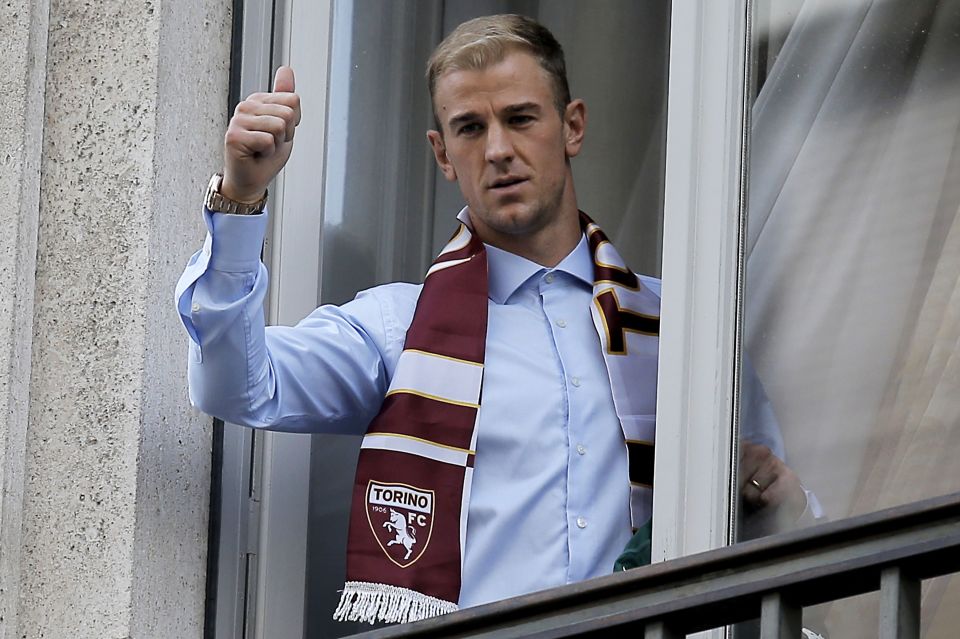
point(329, 373)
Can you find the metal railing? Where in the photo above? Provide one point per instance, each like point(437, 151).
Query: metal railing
point(772, 578)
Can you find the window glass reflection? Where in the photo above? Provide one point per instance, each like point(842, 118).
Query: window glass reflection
point(852, 285)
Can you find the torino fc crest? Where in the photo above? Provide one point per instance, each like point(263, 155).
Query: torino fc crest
point(401, 518)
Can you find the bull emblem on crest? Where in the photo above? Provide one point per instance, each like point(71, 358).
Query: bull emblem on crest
point(406, 534)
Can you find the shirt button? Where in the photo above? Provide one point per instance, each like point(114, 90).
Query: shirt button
point(575, 381)
point(581, 449)
point(549, 278)
point(581, 522)
point(562, 323)
point(195, 308)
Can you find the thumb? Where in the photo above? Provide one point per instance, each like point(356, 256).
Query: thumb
point(283, 81)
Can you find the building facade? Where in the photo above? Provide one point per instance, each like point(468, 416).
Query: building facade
point(791, 168)
point(112, 114)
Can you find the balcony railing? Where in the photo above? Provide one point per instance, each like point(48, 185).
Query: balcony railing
point(772, 578)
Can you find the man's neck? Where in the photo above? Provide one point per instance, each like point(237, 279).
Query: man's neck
point(547, 247)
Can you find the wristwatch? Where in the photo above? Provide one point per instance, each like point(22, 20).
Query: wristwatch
point(216, 202)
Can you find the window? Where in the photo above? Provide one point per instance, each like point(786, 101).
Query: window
point(379, 214)
point(377, 116)
point(852, 254)
point(811, 250)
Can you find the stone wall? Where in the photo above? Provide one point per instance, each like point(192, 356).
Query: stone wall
point(23, 36)
point(111, 121)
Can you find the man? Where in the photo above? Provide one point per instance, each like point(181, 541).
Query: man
point(462, 497)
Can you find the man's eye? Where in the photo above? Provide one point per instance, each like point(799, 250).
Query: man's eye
point(521, 119)
point(468, 129)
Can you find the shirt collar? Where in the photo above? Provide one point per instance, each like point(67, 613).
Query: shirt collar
point(507, 271)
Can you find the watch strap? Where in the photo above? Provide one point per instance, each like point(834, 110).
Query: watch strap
point(218, 203)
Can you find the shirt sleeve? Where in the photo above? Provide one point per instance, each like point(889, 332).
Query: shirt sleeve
point(760, 426)
point(758, 422)
point(326, 374)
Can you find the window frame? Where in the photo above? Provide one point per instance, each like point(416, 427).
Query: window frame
point(705, 183)
point(704, 203)
point(261, 575)
point(293, 252)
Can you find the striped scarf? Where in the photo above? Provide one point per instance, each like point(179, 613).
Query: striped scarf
point(411, 494)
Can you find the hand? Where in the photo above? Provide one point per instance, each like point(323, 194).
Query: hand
point(779, 487)
point(259, 139)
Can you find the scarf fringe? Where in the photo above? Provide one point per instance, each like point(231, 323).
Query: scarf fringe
point(369, 602)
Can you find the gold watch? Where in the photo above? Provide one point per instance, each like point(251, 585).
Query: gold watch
point(215, 201)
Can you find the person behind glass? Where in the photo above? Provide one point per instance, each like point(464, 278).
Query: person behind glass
point(462, 497)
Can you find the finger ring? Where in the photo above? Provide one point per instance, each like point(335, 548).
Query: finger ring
point(757, 484)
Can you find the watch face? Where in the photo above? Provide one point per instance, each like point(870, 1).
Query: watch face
point(212, 189)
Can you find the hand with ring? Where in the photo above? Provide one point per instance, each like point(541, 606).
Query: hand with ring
point(769, 486)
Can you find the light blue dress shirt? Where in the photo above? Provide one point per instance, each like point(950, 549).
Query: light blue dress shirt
point(549, 504)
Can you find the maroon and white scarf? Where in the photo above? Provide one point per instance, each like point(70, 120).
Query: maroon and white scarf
point(411, 494)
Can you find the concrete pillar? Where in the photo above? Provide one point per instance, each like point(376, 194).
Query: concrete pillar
point(110, 539)
point(23, 34)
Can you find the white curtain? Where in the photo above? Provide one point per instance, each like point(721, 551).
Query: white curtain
point(852, 304)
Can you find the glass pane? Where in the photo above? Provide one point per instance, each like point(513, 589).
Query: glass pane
point(851, 365)
point(940, 607)
point(386, 213)
point(859, 617)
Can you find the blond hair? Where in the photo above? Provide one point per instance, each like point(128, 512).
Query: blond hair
point(478, 43)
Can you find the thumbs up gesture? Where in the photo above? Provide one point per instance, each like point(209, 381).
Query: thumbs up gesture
point(259, 139)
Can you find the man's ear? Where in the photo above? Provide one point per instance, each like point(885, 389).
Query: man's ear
point(440, 153)
point(574, 126)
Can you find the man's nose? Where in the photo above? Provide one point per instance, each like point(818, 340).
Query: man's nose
point(499, 144)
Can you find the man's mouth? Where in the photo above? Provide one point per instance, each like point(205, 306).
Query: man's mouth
point(506, 182)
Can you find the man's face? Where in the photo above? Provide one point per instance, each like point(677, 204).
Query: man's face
point(507, 146)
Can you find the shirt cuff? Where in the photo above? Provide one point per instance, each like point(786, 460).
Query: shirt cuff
point(813, 513)
point(237, 240)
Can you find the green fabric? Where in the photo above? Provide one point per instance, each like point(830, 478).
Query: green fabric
point(637, 551)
